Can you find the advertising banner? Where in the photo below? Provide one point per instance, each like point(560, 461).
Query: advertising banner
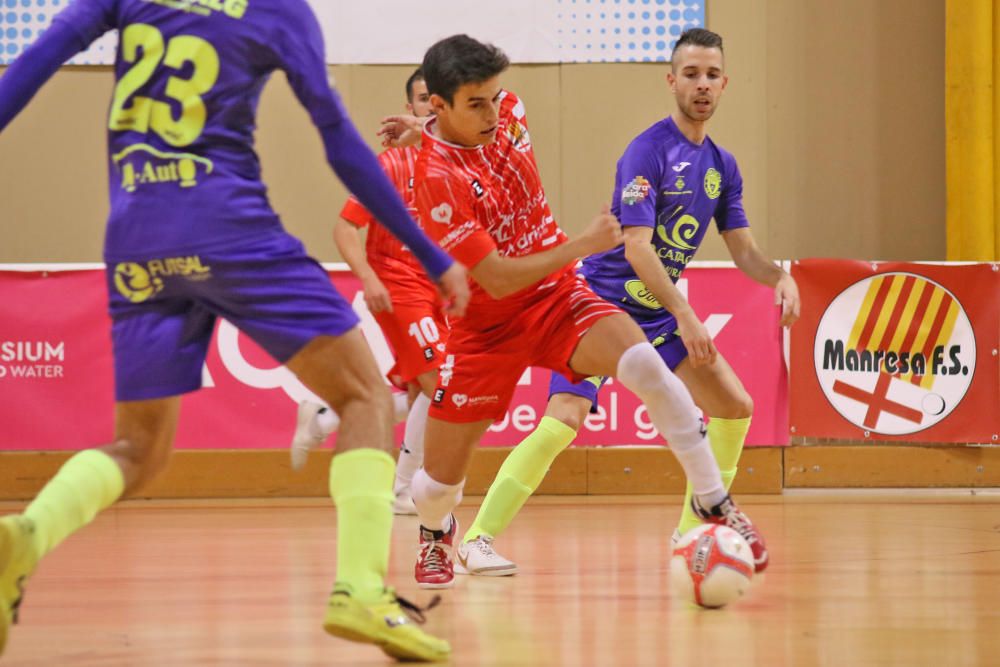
point(896, 351)
point(57, 386)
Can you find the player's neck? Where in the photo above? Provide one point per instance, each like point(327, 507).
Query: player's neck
point(693, 131)
point(442, 131)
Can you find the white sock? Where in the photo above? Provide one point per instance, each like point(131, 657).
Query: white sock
point(675, 416)
point(327, 421)
point(400, 406)
point(434, 500)
point(411, 455)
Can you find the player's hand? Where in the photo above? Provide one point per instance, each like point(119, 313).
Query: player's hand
point(786, 295)
point(401, 130)
point(376, 295)
point(603, 233)
point(454, 287)
point(696, 338)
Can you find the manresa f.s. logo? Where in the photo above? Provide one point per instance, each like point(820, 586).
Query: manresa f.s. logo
point(895, 353)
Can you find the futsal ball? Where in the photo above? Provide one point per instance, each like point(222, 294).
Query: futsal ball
point(712, 565)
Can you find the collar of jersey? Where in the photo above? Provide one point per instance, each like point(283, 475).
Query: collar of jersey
point(428, 133)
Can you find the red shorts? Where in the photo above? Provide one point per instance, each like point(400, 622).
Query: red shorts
point(416, 329)
point(482, 367)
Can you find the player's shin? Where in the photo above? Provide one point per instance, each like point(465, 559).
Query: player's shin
point(411, 456)
point(519, 476)
point(435, 500)
point(361, 488)
point(87, 483)
point(726, 437)
point(675, 416)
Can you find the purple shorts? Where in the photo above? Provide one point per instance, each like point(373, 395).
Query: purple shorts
point(163, 310)
point(661, 333)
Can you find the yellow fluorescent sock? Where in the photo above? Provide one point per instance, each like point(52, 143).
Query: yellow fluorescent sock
point(86, 484)
point(531, 459)
point(726, 437)
point(361, 488)
point(519, 476)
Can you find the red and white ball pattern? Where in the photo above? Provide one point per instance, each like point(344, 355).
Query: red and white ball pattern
point(712, 565)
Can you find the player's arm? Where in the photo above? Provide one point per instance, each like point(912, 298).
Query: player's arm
point(751, 260)
point(347, 238)
point(303, 60)
point(647, 266)
point(71, 31)
point(503, 276)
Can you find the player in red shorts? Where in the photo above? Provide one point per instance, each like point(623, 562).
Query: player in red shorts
point(406, 306)
point(479, 194)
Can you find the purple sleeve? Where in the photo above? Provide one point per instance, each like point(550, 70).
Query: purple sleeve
point(71, 32)
point(303, 60)
point(639, 178)
point(729, 214)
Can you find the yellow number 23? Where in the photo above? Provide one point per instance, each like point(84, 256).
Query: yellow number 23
point(145, 113)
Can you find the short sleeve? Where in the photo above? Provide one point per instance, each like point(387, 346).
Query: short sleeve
point(639, 173)
point(729, 213)
point(356, 214)
point(448, 217)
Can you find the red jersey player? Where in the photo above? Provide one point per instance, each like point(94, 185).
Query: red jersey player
point(479, 194)
point(405, 304)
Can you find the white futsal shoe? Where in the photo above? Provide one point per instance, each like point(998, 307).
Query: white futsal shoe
point(403, 504)
point(308, 435)
point(478, 557)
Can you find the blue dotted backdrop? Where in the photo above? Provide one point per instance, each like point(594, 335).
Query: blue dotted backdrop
point(586, 30)
point(22, 21)
point(624, 30)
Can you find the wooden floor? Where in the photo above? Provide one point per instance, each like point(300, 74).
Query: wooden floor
point(903, 578)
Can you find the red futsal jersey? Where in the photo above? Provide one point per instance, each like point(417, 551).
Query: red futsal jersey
point(388, 257)
point(472, 200)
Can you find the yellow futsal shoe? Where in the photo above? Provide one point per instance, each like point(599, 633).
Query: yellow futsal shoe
point(17, 561)
point(390, 623)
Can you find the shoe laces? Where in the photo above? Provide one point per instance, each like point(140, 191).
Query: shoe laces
point(432, 556)
point(739, 522)
point(484, 545)
point(416, 613)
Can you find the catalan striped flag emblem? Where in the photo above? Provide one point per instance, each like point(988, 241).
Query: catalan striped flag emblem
point(905, 314)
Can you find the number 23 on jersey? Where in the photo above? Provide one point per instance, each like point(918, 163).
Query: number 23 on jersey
point(143, 45)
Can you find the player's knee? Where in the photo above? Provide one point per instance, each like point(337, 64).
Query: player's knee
point(569, 409)
point(739, 406)
point(141, 461)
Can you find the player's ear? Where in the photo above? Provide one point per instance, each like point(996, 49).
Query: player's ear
point(438, 103)
point(672, 81)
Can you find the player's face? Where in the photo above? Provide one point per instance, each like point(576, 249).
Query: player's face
point(697, 81)
point(473, 117)
point(420, 104)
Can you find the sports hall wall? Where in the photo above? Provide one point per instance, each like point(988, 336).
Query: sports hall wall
point(835, 111)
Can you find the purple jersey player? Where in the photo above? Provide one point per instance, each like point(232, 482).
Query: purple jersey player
point(191, 237)
point(672, 181)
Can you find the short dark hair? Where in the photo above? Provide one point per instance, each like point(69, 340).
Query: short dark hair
point(457, 60)
point(418, 75)
point(697, 37)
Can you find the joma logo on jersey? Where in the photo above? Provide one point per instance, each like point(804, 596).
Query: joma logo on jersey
point(138, 282)
point(477, 188)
